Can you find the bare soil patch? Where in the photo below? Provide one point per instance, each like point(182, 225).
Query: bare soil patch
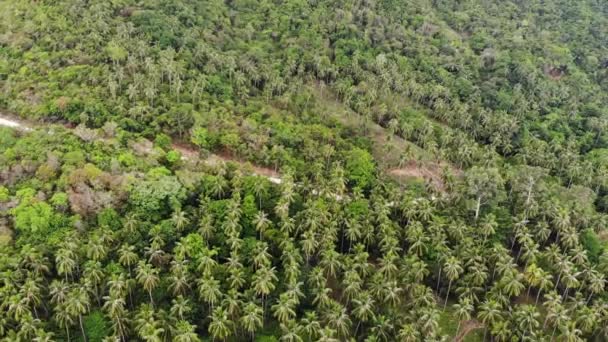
point(428, 171)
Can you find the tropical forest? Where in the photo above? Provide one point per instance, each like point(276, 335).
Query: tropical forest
point(303, 170)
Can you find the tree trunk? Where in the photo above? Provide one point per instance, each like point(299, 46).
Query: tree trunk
point(84, 336)
point(538, 296)
point(151, 300)
point(438, 279)
point(477, 208)
point(447, 295)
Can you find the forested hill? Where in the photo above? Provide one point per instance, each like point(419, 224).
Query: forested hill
point(439, 170)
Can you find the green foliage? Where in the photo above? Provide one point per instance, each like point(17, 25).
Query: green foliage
point(96, 326)
point(173, 157)
point(4, 194)
point(360, 168)
point(592, 244)
point(157, 196)
point(33, 216)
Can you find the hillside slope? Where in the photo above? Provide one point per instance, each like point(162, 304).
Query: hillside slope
point(368, 170)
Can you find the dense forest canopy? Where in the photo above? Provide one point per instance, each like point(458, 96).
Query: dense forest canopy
point(374, 170)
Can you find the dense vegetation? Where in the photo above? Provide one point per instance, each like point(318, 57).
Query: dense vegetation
point(436, 166)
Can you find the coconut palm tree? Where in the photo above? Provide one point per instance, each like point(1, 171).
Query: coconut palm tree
point(220, 326)
point(290, 332)
point(184, 332)
point(252, 319)
point(463, 310)
point(78, 304)
point(179, 219)
point(148, 277)
point(489, 313)
point(452, 269)
point(180, 307)
point(284, 309)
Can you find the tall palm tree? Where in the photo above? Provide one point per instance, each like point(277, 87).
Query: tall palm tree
point(452, 269)
point(209, 290)
point(127, 256)
point(284, 309)
point(64, 318)
point(463, 310)
point(261, 223)
point(220, 326)
point(78, 304)
point(148, 277)
point(252, 319)
point(489, 313)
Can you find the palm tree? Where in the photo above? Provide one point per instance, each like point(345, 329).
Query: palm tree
point(452, 270)
point(489, 313)
point(220, 326)
point(209, 290)
point(363, 308)
point(526, 318)
point(64, 318)
point(31, 294)
point(179, 279)
point(43, 336)
point(310, 325)
point(252, 318)
point(127, 256)
point(261, 222)
point(290, 332)
point(179, 219)
point(284, 309)
point(93, 273)
point(463, 310)
point(263, 281)
point(65, 261)
point(184, 332)
point(78, 304)
point(147, 276)
point(96, 248)
point(180, 307)
point(408, 333)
